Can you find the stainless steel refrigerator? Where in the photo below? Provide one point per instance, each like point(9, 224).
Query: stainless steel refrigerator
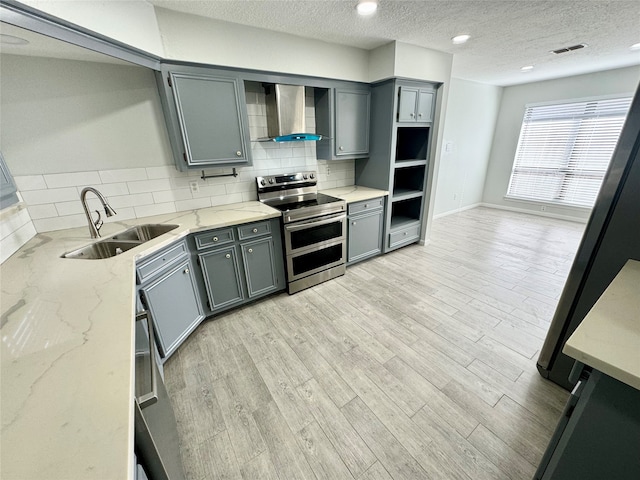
point(611, 237)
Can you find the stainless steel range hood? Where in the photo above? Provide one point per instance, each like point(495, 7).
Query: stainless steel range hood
point(286, 114)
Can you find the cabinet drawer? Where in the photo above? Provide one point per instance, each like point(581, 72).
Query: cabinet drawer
point(151, 267)
point(254, 230)
point(405, 235)
point(366, 205)
point(213, 238)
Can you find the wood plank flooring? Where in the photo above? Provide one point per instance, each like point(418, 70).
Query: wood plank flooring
point(419, 364)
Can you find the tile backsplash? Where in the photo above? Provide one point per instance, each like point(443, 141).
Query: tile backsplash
point(16, 229)
point(53, 200)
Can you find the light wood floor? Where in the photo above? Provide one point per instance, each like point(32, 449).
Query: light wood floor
point(419, 364)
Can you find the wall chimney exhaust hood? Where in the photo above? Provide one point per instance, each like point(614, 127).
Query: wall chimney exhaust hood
point(285, 114)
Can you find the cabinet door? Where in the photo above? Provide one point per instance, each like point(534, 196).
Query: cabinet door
point(407, 104)
point(352, 123)
point(260, 267)
point(425, 106)
point(222, 277)
point(174, 306)
point(364, 236)
point(210, 119)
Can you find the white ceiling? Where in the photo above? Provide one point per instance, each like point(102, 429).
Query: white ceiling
point(506, 34)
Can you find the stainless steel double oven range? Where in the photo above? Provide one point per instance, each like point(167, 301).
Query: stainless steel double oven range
point(314, 228)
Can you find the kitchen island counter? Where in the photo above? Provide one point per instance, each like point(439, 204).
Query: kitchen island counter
point(67, 348)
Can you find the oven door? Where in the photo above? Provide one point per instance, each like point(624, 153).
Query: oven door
point(315, 245)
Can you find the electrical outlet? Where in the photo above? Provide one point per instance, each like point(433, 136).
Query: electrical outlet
point(328, 171)
point(543, 208)
point(194, 186)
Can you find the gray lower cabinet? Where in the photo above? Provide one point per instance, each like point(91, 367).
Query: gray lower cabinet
point(7, 186)
point(366, 223)
point(206, 117)
point(240, 263)
point(171, 296)
point(222, 277)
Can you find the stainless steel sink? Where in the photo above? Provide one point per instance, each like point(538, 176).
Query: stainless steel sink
point(103, 249)
point(120, 242)
point(144, 233)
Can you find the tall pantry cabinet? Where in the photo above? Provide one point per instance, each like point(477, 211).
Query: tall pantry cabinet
point(402, 117)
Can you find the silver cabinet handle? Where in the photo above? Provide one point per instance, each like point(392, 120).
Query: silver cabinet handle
point(186, 270)
point(238, 153)
point(420, 115)
point(341, 148)
point(366, 205)
point(228, 255)
point(353, 223)
point(215, 239)
point(255, 230)
point(411, 114)
point(405, 233)
point(250, 250)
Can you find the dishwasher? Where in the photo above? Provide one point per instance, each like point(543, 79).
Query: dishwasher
point(157, 449)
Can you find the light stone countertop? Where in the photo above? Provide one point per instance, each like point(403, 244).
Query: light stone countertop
point(355, 193)
point(67, 333)
point(608, 339)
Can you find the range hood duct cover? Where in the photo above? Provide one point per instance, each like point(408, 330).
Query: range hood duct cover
point(286, 114)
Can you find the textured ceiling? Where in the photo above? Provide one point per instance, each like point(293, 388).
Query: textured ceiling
point(506, 35)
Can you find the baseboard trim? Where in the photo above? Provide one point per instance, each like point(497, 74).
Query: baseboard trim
point(458, 210)
point(531, 212)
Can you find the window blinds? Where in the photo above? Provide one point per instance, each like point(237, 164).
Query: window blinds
point(564, 151)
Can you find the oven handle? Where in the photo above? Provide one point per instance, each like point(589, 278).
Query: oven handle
point(304, 224)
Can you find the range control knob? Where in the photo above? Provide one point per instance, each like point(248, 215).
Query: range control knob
point(312, 176)
point(271, 180)
point(305, 176)
point(263, 182)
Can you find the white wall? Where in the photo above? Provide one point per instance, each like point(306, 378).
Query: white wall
point(468, 131)
point(505, 139)
point(421, 63)
point(70, 124)
point(132, 21)
point(69, 116)
point(198, 39)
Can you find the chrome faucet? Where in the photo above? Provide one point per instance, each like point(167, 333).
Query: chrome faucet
point(94, 227)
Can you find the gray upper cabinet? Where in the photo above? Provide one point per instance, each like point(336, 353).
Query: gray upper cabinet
point(342, 117)
point(206, 118)
point(352, 123)
point(415, 104)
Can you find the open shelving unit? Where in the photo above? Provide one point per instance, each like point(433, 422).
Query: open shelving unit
point(400, 157)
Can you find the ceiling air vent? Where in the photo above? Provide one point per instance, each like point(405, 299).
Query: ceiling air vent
point(569, 49)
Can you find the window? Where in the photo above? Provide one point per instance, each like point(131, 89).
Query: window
point(564, 150)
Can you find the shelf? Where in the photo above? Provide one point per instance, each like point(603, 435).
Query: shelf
point(399, 222)
point(412, 143)
point(413, 162)
point(401, 194)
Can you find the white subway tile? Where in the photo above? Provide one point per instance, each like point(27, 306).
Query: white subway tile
point(240, 187)
point(75, 207)
point(172, 195)
point(59, 223)
point(12, 223)
point(30, 182)
point(124, 213)
point(74, 179)
point(156, 209)
point(38, 197)
point(145, 186)
point(210, 191)
point(134, 200)
point(42, 211)
point(166, 171)
point(249, 196)
point(10, 244)
point(123, 175)
point(107, 189)
point(226, 199)
point(192, 204)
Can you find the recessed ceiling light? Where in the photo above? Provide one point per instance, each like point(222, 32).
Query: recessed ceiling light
point(460, 39)
point(367, 7)
point(635, 46)
point(11, 40)
point(526, 68)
